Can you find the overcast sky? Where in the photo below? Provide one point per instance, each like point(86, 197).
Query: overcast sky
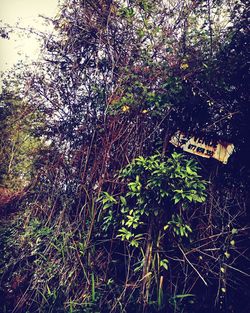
point(26, 12)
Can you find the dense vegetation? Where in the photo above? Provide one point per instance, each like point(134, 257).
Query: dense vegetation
point(101, 213)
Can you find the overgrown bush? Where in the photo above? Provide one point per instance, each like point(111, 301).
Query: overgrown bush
point(110, 225)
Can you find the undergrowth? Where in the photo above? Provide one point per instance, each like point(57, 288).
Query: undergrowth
point(145, 248)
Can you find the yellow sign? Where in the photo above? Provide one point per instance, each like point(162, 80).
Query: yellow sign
point(220, 151)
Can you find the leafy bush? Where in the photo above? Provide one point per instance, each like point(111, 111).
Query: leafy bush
point(151, 211)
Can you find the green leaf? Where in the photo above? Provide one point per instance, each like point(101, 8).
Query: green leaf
point(189, 171)
point(189, 197)
point(177, 199)
point(123, 200)
point(184, 296)
point(188, 228)
point(234, 231)
point(227, 255)
point(164, 263)
point(166, 227)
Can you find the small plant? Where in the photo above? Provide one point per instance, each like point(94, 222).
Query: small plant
point(154, 186)
point(156, 189)
point(178, 226)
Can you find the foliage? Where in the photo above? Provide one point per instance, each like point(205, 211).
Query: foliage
point(116, 80)
point(154, 186)
point(18, 145)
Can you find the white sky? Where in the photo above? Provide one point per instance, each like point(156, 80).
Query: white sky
point(26, 12)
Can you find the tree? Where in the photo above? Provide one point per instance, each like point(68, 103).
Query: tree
point(19, 146)
point(117, 79)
